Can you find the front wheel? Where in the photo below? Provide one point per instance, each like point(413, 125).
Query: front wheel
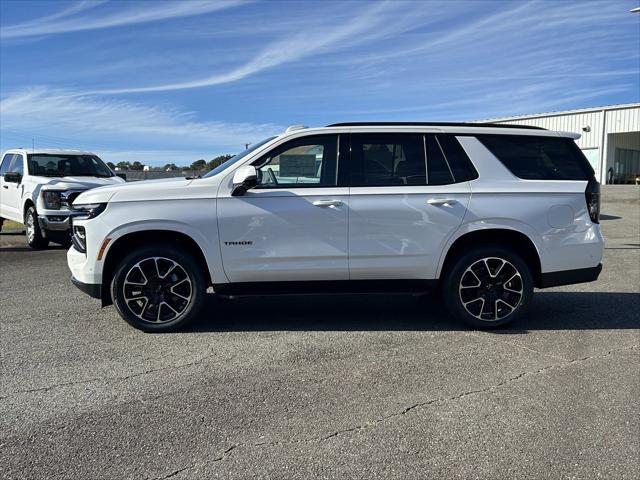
point(488, 287)
point(35, 239)
point(158, 289)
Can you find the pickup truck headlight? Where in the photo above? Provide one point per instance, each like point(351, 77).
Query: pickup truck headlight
point(52, 199)
point(89, 210)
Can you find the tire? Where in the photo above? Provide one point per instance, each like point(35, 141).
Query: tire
point(162, 300)
point(488, 287)
point(35, 239)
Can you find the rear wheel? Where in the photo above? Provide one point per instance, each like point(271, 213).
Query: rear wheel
point(488, 287)
point(158, 289)
point(35, 239)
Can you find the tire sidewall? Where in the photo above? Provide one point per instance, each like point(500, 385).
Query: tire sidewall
point(38, 239)
point(186, 261)
point(454, 275)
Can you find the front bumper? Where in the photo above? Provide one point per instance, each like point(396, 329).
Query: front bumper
point(55, 223)
point(92, 289)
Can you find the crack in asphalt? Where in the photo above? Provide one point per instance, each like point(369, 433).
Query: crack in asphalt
point(224, 454)
point(111, 379)
point(415, 406)
point(500, 341)
point(189, 467)
point(174, 473)
point(376, 422)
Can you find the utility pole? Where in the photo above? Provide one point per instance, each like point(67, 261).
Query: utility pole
point(33, 144)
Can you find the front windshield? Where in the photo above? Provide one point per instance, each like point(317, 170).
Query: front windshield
point(238, 157)
point(62, 165)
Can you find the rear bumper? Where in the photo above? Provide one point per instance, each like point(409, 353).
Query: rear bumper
point(569, 277)
point(92, 289)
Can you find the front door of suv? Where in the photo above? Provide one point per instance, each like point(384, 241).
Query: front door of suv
point(293, 225)
point(405, 202)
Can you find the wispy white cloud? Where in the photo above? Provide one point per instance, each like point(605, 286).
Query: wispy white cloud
point(309, 38)
point(67, 20)
point(71, 121)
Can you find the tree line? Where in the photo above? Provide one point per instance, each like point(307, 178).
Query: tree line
point(199, 165)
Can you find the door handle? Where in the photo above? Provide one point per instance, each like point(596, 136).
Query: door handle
point(327, 203)
point(442, 201)
point(5, 186)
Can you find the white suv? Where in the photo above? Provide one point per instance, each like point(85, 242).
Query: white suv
point(37, 187)
point(484, 212)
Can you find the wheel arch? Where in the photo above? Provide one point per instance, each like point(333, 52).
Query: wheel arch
point(129, 241)
point(507, 237)
point(27, 204)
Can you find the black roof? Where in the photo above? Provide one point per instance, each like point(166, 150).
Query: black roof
point(432, 124)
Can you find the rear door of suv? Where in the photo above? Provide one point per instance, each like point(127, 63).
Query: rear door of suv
point(409, 192)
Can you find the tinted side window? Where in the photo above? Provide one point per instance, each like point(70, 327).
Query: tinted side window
point(6, 161)
point(439, 171)
point(303, 162)
point(387, 160)
point(539, 158)
point(461, 167)
point(17, 165)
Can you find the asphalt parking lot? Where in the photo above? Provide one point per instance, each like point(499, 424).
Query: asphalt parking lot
point(323, 387)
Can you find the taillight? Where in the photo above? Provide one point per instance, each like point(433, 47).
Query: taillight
point(592, 194)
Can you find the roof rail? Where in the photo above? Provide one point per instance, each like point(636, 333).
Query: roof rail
point(433, 124)
point(293, 128)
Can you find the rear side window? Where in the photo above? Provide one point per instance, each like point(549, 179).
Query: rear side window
point(439, 171)
point(388, 160)
point(461, 167)
point(539, 158)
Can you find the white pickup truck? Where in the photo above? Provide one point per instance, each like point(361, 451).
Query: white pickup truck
point(37, 188)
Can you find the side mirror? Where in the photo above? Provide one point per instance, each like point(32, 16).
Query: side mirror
point(12, 177)
point(122, 176)
point(246, 177)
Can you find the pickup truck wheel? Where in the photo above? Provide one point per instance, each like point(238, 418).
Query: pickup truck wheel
point(35, 239)
point(488, 287)
point(158, 289)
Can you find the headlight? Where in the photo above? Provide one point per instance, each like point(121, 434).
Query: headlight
point(52, 199)
point(79, 239)
point(89, 210)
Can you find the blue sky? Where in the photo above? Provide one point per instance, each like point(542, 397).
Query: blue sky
point(174, 81)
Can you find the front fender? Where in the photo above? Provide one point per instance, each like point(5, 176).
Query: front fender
point(208, 245)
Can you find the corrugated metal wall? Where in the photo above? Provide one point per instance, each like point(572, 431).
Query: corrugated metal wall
point(570, 123)
point(623, 120)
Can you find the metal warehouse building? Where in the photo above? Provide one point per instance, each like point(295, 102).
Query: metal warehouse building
point(610, 137)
